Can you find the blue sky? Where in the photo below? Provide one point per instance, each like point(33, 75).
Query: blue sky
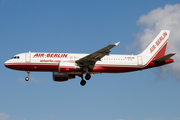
point(84, 27)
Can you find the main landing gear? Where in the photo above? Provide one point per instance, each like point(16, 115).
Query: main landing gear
point(27, 78)
point(87, 77)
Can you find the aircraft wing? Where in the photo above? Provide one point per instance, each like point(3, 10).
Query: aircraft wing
point(164, 57)
point(90, 60)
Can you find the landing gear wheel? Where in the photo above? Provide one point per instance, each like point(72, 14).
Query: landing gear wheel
point(27, 78)
point(88, 76)
point(83, 82)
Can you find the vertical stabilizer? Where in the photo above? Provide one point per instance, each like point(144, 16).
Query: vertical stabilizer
point(157, 47)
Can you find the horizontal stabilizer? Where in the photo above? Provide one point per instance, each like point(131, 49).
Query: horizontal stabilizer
point(164, 57)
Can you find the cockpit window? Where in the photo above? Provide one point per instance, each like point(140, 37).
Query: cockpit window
point(15, 57)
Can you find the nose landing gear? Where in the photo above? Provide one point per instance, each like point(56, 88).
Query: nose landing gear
point(27, 78)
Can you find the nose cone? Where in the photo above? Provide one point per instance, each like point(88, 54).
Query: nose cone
point(7, 64)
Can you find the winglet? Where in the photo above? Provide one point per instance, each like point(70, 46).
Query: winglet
point(117, 44)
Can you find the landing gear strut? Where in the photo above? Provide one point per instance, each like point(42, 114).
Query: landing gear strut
point(27, 78)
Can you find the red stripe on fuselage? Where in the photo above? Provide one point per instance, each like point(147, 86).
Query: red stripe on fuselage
point(33, 66)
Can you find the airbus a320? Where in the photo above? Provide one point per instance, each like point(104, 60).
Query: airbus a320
point(65, 66)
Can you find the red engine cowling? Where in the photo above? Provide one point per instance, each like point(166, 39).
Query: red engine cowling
point(60, 77)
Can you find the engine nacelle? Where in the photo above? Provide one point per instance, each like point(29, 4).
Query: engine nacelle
point(60, 77)
point(67, 67)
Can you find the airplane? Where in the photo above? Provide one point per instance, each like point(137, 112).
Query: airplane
point(65, 66)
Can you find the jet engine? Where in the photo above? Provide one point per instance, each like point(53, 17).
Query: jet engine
point(60, 77)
